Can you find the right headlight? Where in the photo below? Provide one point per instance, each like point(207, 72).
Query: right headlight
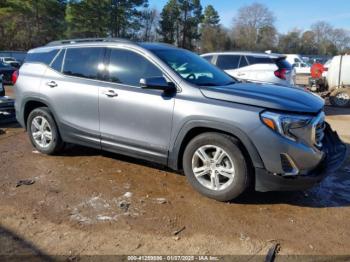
point(284, 124)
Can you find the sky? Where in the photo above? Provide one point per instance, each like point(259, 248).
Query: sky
point(289, 14)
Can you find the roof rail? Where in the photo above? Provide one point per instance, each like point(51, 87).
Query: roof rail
point(87, 40)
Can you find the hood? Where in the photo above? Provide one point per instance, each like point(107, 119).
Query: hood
point(291, 99)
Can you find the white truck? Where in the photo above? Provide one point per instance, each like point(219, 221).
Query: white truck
point(300, 66)
point(338, 80)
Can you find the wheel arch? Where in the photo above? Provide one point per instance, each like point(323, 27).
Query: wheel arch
point(195, 128)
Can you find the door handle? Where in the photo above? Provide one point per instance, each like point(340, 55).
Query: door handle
point(51, 84)
point(111, 93)
point(241, 74)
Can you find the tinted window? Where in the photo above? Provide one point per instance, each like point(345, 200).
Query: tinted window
point(208, 58)
point(44, 57)
point(127, 67)
point(193, 68)
point(243, 62)
point(283, 63)
point(83, 62)
point(227, 62)
point(259, 60)
point(57, 62)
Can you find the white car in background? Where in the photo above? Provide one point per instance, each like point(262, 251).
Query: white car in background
point(300, 66)
point(254, 67)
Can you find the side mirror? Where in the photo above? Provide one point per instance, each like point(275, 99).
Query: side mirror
point(157, 83)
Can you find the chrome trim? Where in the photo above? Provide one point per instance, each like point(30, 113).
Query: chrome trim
point(319, 119)
point(294, 166)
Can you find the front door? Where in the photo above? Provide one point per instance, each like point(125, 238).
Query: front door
point(134, 121)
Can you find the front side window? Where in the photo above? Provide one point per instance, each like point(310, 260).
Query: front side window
point(127, 67)
point(228, 62)
point(193, 68)
point(209, 58)
point(84, 62)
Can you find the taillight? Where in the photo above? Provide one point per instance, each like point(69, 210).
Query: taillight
point(281, 73)
point(14, 77)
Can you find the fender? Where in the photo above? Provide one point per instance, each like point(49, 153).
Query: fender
point(20, 117)
point(174, 152)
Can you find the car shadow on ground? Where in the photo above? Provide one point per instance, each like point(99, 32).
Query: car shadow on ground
point(15, 248)
point(337, 111)
point(333, 191)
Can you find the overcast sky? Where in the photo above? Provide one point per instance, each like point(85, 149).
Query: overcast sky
point(289, 13)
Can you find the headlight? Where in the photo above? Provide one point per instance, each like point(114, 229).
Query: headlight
point(285, 124)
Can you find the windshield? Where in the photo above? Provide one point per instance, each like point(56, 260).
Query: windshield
point(194, 68)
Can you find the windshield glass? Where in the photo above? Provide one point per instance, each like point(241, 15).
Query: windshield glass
point(194, 68)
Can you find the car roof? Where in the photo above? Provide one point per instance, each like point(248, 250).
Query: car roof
point(255, 54)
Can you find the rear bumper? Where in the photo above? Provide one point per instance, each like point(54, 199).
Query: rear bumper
point(335, 154)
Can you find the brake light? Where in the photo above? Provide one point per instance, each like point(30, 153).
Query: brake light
point(14, 77)
point(281, 73)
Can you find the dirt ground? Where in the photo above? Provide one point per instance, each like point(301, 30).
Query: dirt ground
point(87, 202)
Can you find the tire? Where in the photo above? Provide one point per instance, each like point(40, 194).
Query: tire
point(340, 97)
point(40, 121)
point(226, 187)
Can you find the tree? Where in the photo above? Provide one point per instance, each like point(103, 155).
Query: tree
point(253, 26)
point(87, 18)
point(290, 42)
point(190, 19)
point(169, 22)
point(213, 36)
point(29, 23)
point(211, 17)
point(126, 17)
point(149, 21)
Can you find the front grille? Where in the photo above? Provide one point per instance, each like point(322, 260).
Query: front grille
point(320, 126)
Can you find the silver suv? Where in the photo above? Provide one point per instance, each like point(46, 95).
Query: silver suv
point(170, 106)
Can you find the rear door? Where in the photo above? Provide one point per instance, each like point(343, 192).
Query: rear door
point(71, 87)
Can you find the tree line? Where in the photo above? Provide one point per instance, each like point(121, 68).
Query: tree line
point(25, 24)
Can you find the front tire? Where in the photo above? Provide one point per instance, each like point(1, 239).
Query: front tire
point(43, 131)
point(215, 166)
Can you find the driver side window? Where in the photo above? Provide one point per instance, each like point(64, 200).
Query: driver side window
point(127, 67)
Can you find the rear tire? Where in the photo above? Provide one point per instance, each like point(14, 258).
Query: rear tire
point(215, 166)
point(43, 131)
point(340, 97)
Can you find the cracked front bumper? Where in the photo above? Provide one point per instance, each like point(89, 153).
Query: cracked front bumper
point(335, 152)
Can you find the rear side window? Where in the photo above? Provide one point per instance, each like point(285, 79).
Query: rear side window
point(227, 62)
point(44, 57)
point(209, 58)
point(283, 63)
point(243, 62)
point(57, 62)
point(259, 60)
point(127, 67)
point(84, 62)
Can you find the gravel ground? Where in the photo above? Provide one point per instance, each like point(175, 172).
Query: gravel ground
point(88, 202)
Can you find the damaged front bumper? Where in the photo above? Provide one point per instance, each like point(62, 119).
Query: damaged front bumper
point(7, 110)
point(335, 152)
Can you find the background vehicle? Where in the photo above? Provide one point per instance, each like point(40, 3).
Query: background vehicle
point(300, 66)
point(18, 55)
point(255, 67)
point(2, 88)
point(170, 106)
point(10, 61)
point(338, 80)
point(7, 71)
